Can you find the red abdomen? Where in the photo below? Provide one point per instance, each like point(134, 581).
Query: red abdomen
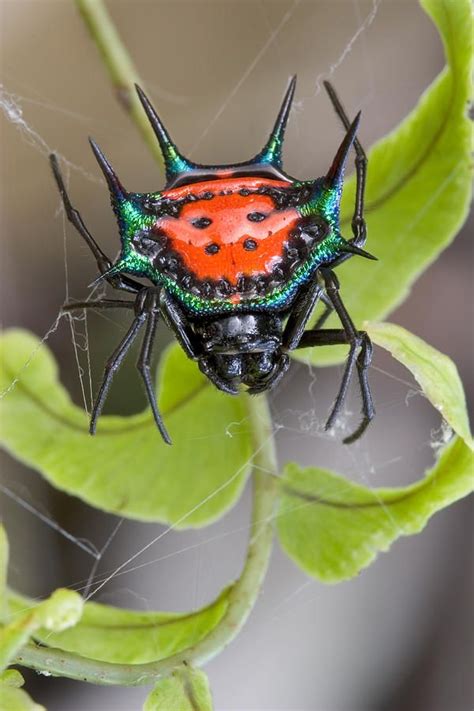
point(231, 229)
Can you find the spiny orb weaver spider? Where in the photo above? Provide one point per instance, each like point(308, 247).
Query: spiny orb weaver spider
point(238, 257)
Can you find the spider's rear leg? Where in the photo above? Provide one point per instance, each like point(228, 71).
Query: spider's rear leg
point(103, 262)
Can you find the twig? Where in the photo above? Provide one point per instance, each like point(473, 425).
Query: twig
point(121, 69)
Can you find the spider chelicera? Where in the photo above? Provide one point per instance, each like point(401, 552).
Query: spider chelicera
point(238, 256)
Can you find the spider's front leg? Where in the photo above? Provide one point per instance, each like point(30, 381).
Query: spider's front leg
point(146, 311)
point(358, 225)
point(151, 309)
point(103, 262)
point(360, 355)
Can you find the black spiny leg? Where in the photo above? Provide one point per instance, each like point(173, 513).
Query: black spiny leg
point(299, 316)
point(146, 308)
point(179, 324)
point(356, 340)
point(103, 262)
point(113, 365)
point(358, 223)
point(143, 365)
point(100, 304)
point(337, 336)
point(328, 309)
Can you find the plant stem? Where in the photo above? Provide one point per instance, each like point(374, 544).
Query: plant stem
point(242, 596)
point(122, 71)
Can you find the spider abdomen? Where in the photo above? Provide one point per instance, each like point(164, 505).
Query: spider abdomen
point(233, 243)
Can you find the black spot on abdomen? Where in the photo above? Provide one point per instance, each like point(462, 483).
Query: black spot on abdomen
point(256, 216)
point(201, 223)
point(250, 245)
point(212, 248)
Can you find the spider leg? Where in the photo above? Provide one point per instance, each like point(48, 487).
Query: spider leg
point(103, 262)
point(328, 309)
point(357, 340)
point(99, 304)
point(359, 228)
point(331, 337)
point(300, 313)
point(179, 324)
point(364, 360)
point(143, 365)
point(113, 365)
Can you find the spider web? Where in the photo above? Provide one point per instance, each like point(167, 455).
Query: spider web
point(292, 426)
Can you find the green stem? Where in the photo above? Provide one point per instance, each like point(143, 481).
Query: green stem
point(242, 596)
point(121, 69)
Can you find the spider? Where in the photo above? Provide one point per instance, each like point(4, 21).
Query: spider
point(237, 256)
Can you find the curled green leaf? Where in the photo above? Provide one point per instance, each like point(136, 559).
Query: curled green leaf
point(185, 690)
point(435, 372)
point(11, 677)
point(418, 186)
point(63, 609)
point(332, 528)
point(126, 468)
point(121, 636)
point(14, 699)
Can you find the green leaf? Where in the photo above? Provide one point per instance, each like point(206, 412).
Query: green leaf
point(332, 528)
point(418, 187)
point(12, 698)
point(11, 677)
point(435, 372)
point(126, 468)
point(123, 636)
point(185, 690)
point(61, 610)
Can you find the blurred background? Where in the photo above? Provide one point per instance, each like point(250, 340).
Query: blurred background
point(397, 638)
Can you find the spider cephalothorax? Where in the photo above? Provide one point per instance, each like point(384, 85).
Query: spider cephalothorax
point(238, 257)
